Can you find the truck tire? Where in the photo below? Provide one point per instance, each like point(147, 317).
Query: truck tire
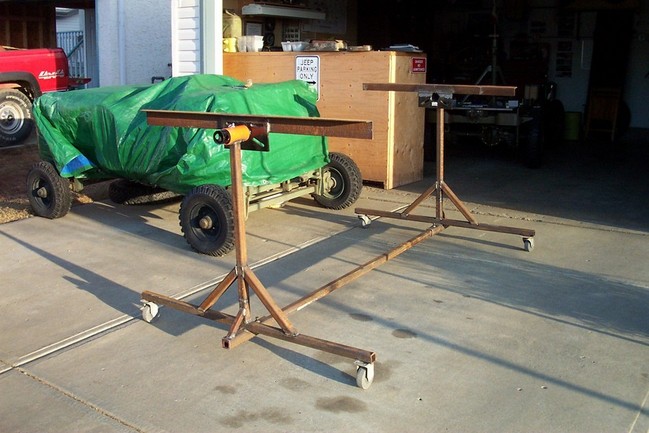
point(15, 117)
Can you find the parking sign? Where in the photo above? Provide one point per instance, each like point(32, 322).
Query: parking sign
point(307, 68)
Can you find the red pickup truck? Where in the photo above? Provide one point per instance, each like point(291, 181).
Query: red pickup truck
point(25, 74)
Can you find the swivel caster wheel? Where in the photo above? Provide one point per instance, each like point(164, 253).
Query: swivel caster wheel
point(364, 374)
point(528, 244)
point(150, 311)
point(365, 220)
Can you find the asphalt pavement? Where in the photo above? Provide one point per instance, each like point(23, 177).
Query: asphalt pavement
point(472, 333)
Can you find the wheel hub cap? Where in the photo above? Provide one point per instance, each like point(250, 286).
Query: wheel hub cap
point(41, 192)
point(205, 223)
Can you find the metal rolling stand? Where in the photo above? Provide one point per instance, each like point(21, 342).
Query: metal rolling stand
point(237, 133)
point(440, 96)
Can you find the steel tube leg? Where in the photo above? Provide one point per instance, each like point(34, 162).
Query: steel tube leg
point(440, 187)
point(439, 201)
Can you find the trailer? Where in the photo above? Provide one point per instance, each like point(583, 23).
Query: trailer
point(102, 134)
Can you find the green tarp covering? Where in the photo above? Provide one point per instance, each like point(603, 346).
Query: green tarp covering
point(102, 133)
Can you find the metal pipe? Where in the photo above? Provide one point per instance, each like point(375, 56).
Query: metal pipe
point(340, 282)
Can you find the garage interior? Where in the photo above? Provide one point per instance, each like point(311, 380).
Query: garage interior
point(519, 43)
point(458, 39)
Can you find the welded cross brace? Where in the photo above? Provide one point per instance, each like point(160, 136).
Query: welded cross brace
point(440, 95)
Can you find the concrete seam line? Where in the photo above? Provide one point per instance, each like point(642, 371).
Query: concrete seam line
point(639, 414)
point(80, 400)
point(262, 262)
point(309, 243)
point(69, 341)
point(107, 326)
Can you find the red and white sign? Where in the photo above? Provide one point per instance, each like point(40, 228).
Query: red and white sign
point(418, 64)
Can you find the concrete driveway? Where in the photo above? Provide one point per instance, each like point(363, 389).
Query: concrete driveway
point(472, 333)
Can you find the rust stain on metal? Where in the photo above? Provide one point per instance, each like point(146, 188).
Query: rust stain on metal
point(278, 124)
point(456, 89)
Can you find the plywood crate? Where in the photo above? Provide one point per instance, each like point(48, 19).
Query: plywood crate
point(395, 156)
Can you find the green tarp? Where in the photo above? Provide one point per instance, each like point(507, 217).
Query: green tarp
point(102, 133)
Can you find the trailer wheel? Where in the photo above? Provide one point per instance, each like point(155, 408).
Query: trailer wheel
point(532, 146)
point(119, 191)
point(342, 183)
point(207, 221)
point(15, 117)
point(554, 123)
point(49, 194)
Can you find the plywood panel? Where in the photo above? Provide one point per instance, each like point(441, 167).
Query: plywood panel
point(395, 155)
point(409, 124)
point(342, 78)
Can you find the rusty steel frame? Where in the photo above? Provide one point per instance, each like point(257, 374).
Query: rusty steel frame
point(444, 89)
point(246, 280)
point(242, 326)
point(440, 187)
point(280, 124)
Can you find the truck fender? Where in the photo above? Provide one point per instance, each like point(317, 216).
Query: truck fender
point(24, 80)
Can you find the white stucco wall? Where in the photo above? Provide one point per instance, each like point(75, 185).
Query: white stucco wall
point(134, 40)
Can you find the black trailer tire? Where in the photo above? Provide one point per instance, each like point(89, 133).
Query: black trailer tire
point(343, 183)
point(554, 124)
point(49, 194)
point(533, 144)
point(119, 191)
point(123, 191)
point(15, 117)
point(207, 221)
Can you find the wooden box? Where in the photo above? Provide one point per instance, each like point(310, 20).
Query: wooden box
point(395, 156)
